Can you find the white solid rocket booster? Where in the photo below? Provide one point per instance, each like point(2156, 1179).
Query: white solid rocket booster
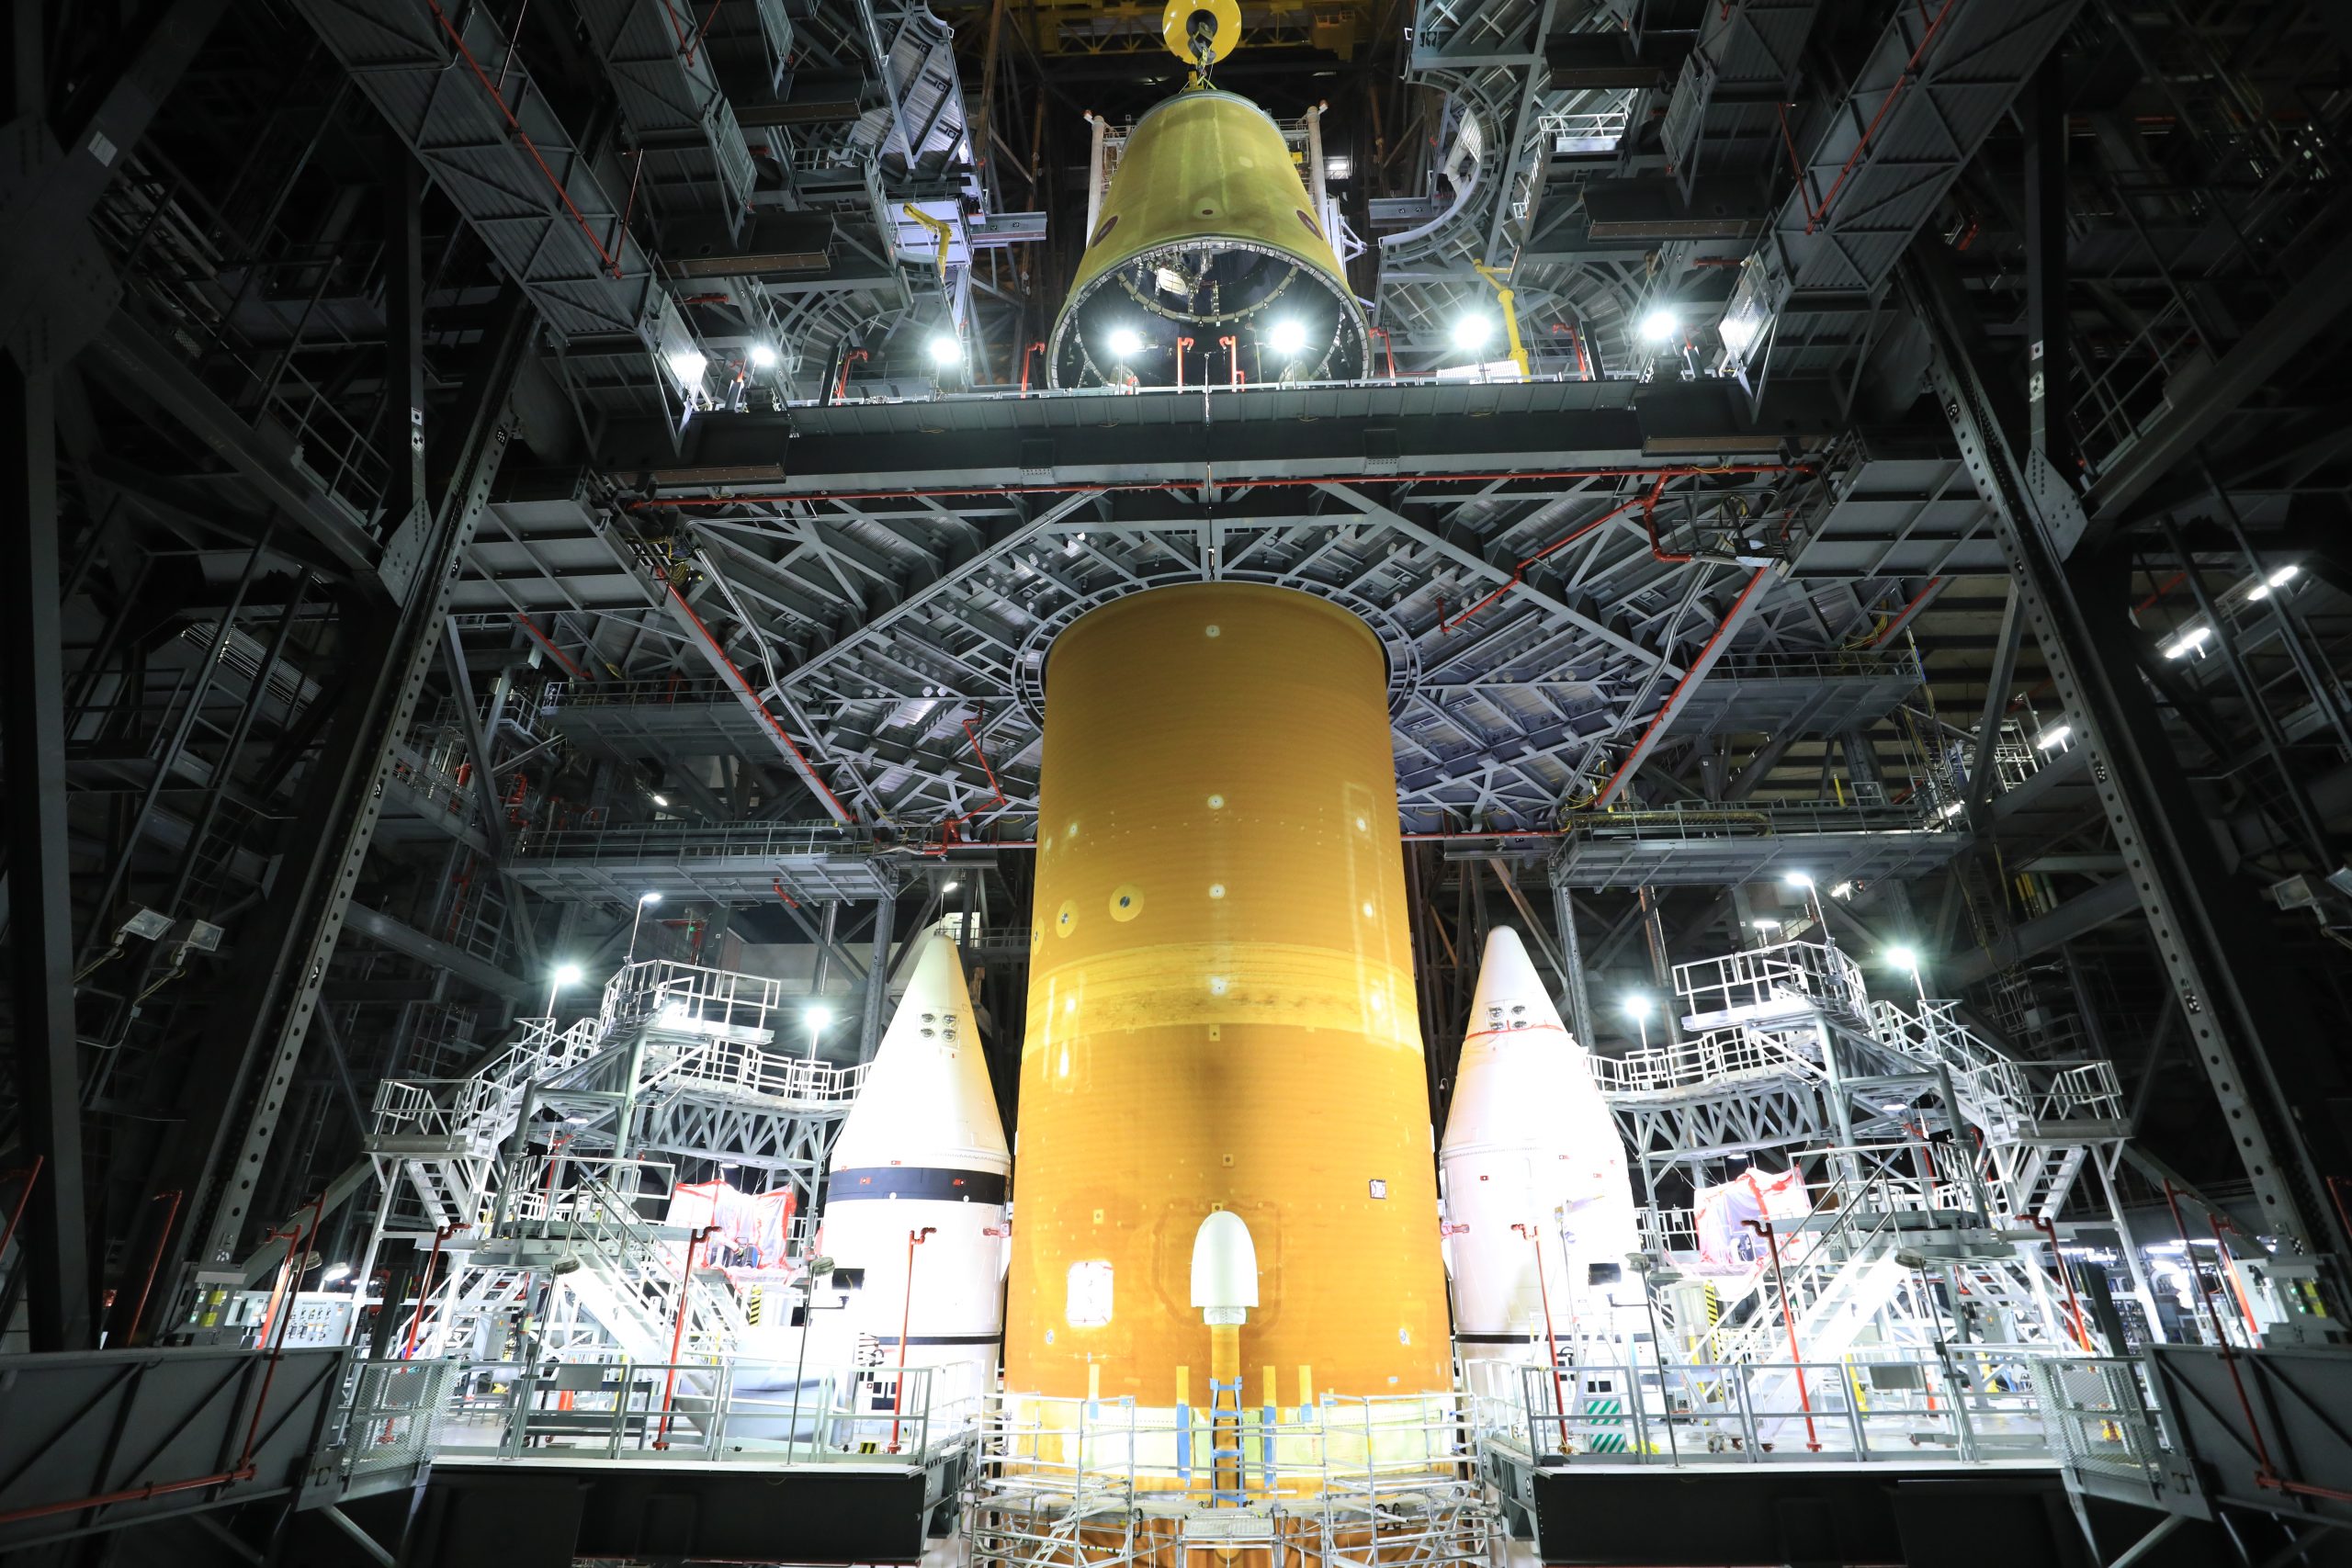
point(923, 1150)
point(1532, 1160)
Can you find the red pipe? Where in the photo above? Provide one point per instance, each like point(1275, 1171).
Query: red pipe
point(1032, 348)
point(1813, 216)
point(906, 1321)
point(1387, 347)
point(31, 1174)
point(1779, 1283)
point(1182, 344)
point(1518, 572)
point(948, 826)
point(541, 639)
point(171, 1215)
point(246, 1461)
point(1700, 664)
point(647, 504)
point(244, 1466)
point(1649, 523)
point(131, 1494)
point(839, 811)
point(1903, 616)
point(1463, 837)
point(1232, 360)
point(1550, 1344)
point(2073, 1307)
point(2266, 1474)
point(2216, 1223)
point(425, 1288)
point(277, 1352)
point(841, 387)
point(678, 1328)
point(523, 137)
point(2153, 600)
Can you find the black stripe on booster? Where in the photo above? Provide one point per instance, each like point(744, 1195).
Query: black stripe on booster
point(915, 1181)
point(892, 1339)
point(1496, 1339)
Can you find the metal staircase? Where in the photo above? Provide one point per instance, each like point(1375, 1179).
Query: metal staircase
point(1786, 1032)
point(666, 1037)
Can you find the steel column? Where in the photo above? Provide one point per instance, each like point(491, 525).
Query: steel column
point(2207, 930)
point(247, 1056)
point(2043, 108)
point(877, 981)
point(1578, 998)
point(1997, 681)
point(40, 925)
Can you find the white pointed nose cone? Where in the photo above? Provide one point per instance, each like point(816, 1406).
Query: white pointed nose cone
point(922, 1155)
point(1521, 1070)
point(1530, 1151)
point(927, 1099)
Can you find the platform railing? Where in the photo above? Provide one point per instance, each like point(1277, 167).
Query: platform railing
point(736, 1067)
point(1810, 972)
point(2100, 1416)
point(735, 1411)
point(1961, 1401)
point(390, 1422)
point(1718, 1056)
point(688, 997)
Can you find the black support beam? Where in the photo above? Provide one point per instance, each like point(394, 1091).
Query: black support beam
point(2245, 1028)
point(41, 911)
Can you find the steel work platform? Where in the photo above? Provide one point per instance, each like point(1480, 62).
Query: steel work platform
point(722, 862)
point(1927, 1515)
point(543, 1513)
point(1721, 845)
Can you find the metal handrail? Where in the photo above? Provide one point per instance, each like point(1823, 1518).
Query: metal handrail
point(648, 1410)
point(1718, 1056)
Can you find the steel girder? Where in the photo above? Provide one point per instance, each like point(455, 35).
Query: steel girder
point(41, 908)
point(885, 578)
point(2245, 1030)
point(239, 1072)
point(1772, 1113)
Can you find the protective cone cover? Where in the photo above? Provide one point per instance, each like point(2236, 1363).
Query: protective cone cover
point(1221, 1004)
point(927, 1100)
point(1529, 1140)
point(1523, 1081)
point(1207, 170)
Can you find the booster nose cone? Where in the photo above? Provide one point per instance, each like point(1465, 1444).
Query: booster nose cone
point(1535, 1174)
point(1492, 1089)
point(927, 1100)
point(915, 1191)
point(1510, 995)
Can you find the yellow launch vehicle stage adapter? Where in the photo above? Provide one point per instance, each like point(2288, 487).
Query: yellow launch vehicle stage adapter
point(1206, 261)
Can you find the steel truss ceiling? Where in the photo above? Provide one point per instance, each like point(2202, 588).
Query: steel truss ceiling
point(895, 628)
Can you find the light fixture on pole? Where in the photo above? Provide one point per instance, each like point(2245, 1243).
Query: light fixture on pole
point(816, 1016)
point(807, 1285)
point(565, 974)
point(644, 900)
point(1637, 1008)
point(1803, 879)
point(1907, 958)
